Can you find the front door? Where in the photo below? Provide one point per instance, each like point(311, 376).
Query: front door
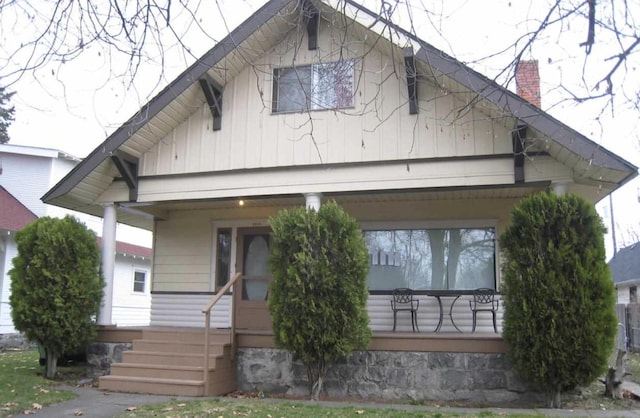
point(252, 250)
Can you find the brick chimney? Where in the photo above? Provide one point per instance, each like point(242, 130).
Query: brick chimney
point(528, 82)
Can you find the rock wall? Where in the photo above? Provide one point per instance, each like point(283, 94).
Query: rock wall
point(13, 341)
point(101, 355)
point(388, 375)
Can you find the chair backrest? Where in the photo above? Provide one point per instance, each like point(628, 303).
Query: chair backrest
point(402, 295)
point(484, 295)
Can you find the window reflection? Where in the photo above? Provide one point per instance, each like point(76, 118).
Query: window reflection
point(452, 258)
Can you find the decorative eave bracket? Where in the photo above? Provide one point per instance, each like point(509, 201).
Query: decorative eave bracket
point(127, 165)
point(518, 137)
point(213, 94)
point(312, 19)
point(412, 79)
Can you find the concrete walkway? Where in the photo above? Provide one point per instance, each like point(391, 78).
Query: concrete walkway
point(93, 403)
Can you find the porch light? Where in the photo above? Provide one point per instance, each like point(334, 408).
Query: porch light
point(240, 202)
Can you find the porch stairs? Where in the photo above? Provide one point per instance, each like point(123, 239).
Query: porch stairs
point(169, 361)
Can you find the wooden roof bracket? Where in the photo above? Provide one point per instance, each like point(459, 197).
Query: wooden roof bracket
point(127, 165)
point(312, 19)
point(213, 94)
point(518, 137)
point(412, 79)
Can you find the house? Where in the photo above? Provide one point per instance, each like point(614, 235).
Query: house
point(303, 103)
point(625, 271)
point(26, 173)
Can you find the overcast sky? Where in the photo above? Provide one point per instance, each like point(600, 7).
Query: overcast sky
point(75, 106)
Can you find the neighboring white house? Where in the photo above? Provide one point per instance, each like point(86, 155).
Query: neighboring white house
point(625, 272)
point(26, 173)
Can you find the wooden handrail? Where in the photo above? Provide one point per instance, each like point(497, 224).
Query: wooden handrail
point(207, 324)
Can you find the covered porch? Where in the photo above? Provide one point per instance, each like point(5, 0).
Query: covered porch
point(210, 358)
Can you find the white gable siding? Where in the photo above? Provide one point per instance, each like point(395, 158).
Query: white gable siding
point(27, 179)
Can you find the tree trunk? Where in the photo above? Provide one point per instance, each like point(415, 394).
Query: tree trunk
point(613, 379)
point(52, 363)
point(437, 244)
point(315, 375)
point(553, 398)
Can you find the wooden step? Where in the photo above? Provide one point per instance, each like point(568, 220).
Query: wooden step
point(173, 346)
point(155, 386)
point(157, 371)
point(171, 359)
point(164, 371)
point(186, 335)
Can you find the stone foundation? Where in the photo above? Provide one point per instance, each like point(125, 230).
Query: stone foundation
point(101, 355)
point(13, 341)
point(388, 375)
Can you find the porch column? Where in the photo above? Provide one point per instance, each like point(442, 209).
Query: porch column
point(560, 187)
point(108, 262)
point(313, 200)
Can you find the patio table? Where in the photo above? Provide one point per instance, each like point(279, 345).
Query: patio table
point(439, 294)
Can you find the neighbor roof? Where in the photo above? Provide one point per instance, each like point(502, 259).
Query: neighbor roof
point(126, 249)
point(36, 152)
point(625, 265)
point(14, 215)
point(81, 187)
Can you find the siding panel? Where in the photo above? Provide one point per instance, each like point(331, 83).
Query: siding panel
point(184, 310)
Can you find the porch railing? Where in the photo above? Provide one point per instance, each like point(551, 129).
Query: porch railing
point(207, 324)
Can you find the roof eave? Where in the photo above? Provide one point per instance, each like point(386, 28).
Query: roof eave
point(166, 96)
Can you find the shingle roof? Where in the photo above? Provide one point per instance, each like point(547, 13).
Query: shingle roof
point(130, 249)
point(13, 214)
point(625, 265)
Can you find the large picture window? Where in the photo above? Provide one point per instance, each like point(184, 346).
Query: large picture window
point(313, 87)
point(453, 258)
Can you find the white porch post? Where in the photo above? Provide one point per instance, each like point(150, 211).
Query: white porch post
point(108, 262)
point(313, 200)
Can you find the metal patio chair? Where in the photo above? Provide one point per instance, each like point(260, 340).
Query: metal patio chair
point(403, 301)
point(484, 300)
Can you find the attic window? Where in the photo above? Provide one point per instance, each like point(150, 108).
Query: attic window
point(313, 87)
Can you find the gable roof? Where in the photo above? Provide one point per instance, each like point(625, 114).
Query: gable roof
point(625, 265)
point(257, 34)
point(14, 215)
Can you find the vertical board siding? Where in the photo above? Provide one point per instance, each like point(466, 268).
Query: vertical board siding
point(378, 127)
point(185, 310)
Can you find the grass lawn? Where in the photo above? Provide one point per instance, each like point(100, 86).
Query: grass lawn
point(591, 398)
point(23, 387)
point(269, 409)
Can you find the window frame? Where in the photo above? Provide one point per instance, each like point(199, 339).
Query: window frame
point(216, 261)
point(440, 224)
point(233, 226)
point(145, 289)
point(309, 102)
